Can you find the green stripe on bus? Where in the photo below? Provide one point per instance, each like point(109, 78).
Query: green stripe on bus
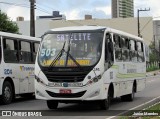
point(129, 75)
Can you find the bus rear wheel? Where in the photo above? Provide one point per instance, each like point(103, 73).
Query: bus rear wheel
point(129, 97)
point(7, 93)
point(52, 104)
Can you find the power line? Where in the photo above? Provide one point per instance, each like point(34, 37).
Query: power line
point(146, 24)
point(26, 6)
point(43, 10)
point(149, 22)
point(14, 4)
point(46, 6)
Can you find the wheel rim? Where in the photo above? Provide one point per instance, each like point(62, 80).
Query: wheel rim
point(7, 93)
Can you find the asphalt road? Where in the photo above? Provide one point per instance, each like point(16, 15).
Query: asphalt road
point(89, 111)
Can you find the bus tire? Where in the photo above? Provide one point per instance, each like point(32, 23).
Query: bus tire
point(104, 104)
point(7, 93)
point(52, 104)
point(130, 97)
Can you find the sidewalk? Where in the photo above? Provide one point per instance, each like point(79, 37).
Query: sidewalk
point(153, 73)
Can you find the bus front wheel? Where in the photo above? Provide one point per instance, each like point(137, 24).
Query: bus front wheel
point(52, 104)
point(7, 93)
point(104, 104)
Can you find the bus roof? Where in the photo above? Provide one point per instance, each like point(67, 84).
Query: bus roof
point(79, 28)
point(12, 35)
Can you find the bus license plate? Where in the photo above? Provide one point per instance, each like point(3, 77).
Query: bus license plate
point(65, 91)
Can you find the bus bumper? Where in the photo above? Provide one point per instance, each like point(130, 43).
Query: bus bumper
point(95, 91)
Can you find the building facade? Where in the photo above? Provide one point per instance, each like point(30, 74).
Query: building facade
point(128, 25)
point(122, 8)
point(55, 16)
point(156, 32)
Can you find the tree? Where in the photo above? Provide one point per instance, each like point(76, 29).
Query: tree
point(7, 25)
point(154, 54)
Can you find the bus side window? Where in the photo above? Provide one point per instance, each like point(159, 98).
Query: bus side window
point(25, 52)
point(35, 49)
point(133, 52)
point(118, 50)
point(140, 52)
point(109, 58)
point(10, 51)
point(125, 49)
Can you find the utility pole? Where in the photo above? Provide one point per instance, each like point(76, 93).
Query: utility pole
point(139, 10)
point(32, 17)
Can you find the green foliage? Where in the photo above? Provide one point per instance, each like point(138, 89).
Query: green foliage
point(155, 107)
point(153, 68)
point(7, 25)
point(154, 54)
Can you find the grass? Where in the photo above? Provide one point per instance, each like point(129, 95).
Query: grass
point(153, 68)
point(155, 109)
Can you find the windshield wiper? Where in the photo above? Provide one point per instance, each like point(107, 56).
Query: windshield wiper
point(69, 55)
point(74, 60)
point(58, 56)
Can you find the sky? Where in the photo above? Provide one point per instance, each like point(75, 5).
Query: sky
point(76, 9)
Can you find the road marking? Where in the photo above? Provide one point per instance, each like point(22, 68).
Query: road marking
point(134, 108)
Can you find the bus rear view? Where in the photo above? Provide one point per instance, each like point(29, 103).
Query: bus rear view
point(71, 66)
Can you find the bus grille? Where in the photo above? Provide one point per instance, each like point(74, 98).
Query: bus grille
point(65, 76)
point(72, 95)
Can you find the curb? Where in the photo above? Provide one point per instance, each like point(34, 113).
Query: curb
point(153, 73)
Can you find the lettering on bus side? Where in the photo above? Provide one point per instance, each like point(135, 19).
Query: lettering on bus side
point(23, 68)
point(7, 71)
point(131, 70)
point(96, 69)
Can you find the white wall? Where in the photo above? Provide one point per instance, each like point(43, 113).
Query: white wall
point(41, 26)
point(125, 24)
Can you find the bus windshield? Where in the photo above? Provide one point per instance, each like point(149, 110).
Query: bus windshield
point(70, 49)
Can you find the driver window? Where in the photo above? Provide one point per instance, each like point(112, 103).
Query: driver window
point(108, 48)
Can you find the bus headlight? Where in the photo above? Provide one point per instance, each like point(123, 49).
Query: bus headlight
point(94, 80)
point(39, 80)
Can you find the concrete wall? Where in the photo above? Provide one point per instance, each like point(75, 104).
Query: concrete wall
point(125, 24)
point(156, 30)
point(41, 26)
